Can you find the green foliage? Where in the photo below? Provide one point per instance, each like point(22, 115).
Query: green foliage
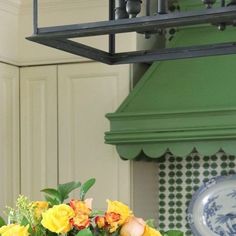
point(65, 189)
point(117, 233)
point(48, 233)
point(52, 201)
point(53, 196)
point(96, 213)
point(173, 233)
point(85, 187)
point(59, 195)
point(151, 223)
point(24, 214)
point(2, 222)
point(85, 232)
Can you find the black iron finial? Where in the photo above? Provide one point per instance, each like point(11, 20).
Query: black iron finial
point(120, 10)
point(208, 3)
point(133, 7)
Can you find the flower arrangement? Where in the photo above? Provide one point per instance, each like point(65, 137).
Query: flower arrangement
point(76, 218)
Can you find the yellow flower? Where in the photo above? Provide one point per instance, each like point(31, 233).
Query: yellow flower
point(39, 208)
point(116, 208)
point(134, 227)
point(57, 219)
point(149, 231)
point(14, 229)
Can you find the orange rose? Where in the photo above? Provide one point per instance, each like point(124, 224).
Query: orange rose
point(81, 207)
point(100, 221)
point(112, 220)
point(82, 211)
point(80, 221)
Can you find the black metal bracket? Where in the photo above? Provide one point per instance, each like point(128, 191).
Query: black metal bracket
point(59, 36)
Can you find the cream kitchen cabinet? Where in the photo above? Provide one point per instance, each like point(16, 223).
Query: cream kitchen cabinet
point(9, 135)
point(62, 128)
point(38, 106)
point(86, 92)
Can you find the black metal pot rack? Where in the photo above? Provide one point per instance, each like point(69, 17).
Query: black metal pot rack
point(59, 36)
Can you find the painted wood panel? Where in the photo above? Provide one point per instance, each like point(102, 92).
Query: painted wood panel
point(86, 93)
point(38, 129)
point(9, 135)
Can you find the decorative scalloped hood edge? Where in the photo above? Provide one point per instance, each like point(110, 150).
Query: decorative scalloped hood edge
point(180, 105)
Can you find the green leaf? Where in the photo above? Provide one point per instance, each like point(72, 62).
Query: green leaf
point(24, 221)
point(48, 233)
point(85, 187)
point(117, 233)
point(151, 223)
point(2, 222)
point(52, 201)
point(85, 232)
point(65, 189)
point(53, 193)
point(174, 233)
point(96, 213)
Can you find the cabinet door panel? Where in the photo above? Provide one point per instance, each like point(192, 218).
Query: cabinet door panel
point(86, 93)
point(9, 135)
point(38, 129)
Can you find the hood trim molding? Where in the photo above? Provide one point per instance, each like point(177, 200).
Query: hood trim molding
point(207, 131)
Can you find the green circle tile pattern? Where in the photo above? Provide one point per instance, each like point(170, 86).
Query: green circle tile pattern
point(179, 178)
point(231, 165)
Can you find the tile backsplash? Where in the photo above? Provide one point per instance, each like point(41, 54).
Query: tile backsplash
point(179, 178)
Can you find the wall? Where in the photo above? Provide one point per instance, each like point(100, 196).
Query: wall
point(36, 92)
point(9, 10)
point(52, 13)
point(9, 135)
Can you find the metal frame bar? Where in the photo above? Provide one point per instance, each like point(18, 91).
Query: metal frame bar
point(76, 48)
point(112, 44)
point(58, 36)
point(35, 16)
point(174, 53)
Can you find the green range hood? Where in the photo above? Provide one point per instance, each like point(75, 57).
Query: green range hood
point(180, 105)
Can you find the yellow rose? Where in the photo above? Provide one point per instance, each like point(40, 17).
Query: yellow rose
point(14, 229)
point(117, 214)
point(134, 227)
point(57, 219)
point(39, 208)
point(119, 208)
point(149, 231)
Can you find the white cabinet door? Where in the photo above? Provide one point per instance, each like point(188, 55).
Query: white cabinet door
point(38, 88)
point(86, 93)
point(9, 135)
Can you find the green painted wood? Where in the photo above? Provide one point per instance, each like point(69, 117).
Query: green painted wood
point(181, 104)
